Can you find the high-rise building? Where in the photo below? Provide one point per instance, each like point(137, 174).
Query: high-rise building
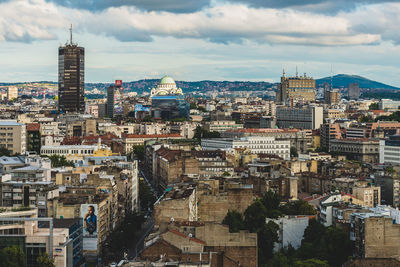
point(71, 77)
point(354, 91)
point(114, 99)
point(12, 93)
point(110, 101)
point(295, 89)
point(331, 96)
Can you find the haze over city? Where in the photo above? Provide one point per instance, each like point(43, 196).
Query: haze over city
point(198, 40)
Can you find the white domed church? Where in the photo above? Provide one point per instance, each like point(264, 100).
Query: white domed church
point(166, 86)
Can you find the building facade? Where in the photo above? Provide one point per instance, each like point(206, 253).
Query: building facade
point(255, 144)
point(363, 149)
point(295, 89)
point(354, 91)
point(168, 102)
point(302, 118)
point(13, 136)
point(71, 78)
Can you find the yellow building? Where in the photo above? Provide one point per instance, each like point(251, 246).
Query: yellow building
point(295, 89)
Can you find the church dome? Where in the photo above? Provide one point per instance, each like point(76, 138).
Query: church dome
point(167, 80)
point(166, 87)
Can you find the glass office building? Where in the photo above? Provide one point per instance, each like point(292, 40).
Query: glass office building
point(169, 107)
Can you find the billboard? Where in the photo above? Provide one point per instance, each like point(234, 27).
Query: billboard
point(118, 83)
point(89, 214)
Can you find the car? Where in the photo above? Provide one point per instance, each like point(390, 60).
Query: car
point(113, 264)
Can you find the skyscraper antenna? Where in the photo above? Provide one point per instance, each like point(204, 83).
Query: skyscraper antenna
point(331, 77)
point(297, 73)
point(70, 34)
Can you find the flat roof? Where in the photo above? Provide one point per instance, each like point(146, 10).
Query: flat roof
point(10, 123)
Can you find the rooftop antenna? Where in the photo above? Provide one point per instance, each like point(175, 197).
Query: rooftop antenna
point(297, 73)
point(331, 77)
point(70, 34)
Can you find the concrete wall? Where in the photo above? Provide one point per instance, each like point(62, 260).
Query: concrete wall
point(382, 238)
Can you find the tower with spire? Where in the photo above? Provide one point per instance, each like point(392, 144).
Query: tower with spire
point(71, 77)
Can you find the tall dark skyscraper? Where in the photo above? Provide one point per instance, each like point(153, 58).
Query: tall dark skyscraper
point(71, 77)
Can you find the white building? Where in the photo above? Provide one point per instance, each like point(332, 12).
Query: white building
point(255, 144)
point(326, 205)
point(389, 104)
point(291, 231)
point(389, 150)
point(301, 118)
point(12, 93)
point(75, 150)
point(222, 126)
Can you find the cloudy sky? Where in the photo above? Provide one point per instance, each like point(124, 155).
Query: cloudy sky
point(202, 39)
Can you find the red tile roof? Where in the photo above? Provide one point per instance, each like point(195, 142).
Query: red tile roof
point(151, 136)
point(265, 130)
point(33, 127)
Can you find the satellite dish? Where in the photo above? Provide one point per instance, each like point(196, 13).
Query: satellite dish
point(172, 219)
point(190, 235)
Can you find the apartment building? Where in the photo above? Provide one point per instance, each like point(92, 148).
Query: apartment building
point(255, 144)
point(300, 139)
point(389, 150)
point(221, 126)
point(13, 136)
point(375, 236)
point(66, 246)
point(302, 118)
point(328, 132)
point(363, 149)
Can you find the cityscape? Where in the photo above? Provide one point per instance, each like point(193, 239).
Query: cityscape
point(197, 163)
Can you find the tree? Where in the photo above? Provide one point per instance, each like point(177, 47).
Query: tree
point(279, 260)
point(313, 231)
point(200, 133)
point(311, 263)
point(146, 197)
point(365, 119)
point(44, 260)
point(254, 216)
point(12, 257)
point(60, 161)
point(271, 200)
point(299, 207)
point(325, 243)
point(293, 152)
point(139, 152)
point(4, 152)
point(266, 238)
point(374, 106)
point(202, 109)
point(235, 221)
point(226, 174)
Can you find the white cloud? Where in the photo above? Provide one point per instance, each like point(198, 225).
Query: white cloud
point(25, 20)
point(227, 23)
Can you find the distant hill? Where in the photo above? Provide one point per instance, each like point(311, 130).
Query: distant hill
point(343, 80)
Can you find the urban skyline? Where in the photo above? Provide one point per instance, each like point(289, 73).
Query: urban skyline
point(198, 43)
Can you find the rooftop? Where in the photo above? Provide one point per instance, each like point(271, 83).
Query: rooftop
point(9, 123)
